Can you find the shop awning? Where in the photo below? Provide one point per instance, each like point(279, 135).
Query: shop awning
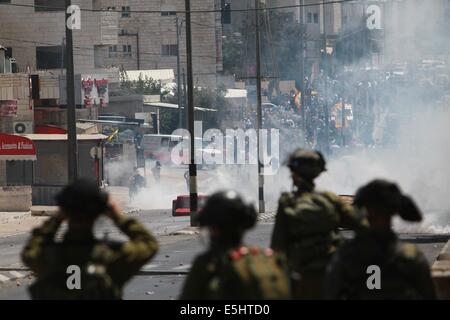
point(13, 147)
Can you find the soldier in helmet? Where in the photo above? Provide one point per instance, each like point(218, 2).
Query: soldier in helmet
point(82, 267)
point(228, 269)
point(306, 225)
point(403, 271)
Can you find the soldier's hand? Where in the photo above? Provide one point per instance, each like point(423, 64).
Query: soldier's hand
point(114, 210)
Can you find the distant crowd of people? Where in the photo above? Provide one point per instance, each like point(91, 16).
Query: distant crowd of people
point(375, 102)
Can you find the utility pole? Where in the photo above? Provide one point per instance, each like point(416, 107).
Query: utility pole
point(184, 101)
point(302, 70)
point(259, 112)
point(180, 114)
point(325, 67)
point(190, 102)
point(71, 104)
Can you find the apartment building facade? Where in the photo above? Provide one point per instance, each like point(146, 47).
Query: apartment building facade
point(129, 34)
point(34, 32)
point(389, 32)
point(148, 41)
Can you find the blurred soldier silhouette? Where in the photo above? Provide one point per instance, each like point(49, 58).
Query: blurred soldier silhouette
point(156, 170)
point(186, 179)
point(103, 267)
point(137, 183)
point(306, 225)
point(404, 272)
point(228, 269)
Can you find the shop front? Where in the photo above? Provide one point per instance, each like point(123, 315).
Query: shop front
point(17, 155)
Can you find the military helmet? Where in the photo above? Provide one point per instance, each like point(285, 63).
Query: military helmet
point(387, 198)
point(308, 164)
point(82, 199)
point(227, 210)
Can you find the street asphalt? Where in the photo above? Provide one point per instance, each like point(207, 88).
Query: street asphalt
point(163, 277)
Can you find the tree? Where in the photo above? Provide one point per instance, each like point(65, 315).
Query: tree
point(204, 97)
point(233, 54)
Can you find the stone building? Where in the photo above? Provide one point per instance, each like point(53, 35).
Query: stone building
point(133, 34)
point(34, 33)
point(148, 41)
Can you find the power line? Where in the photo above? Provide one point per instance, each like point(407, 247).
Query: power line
point(57, 8)
point(92, 48)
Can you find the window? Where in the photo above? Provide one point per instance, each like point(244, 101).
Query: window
point(113, 52)
point(5, 1)
point(111, 9)
point(168, 13)
point(8, 52)
point(126, 12)
point(310, 19)
point(226, 13)
point(49, 57)
point(127, 50)
point(168, 10)
point(124, 32)
point(169, 50)
point(49, 5)
point(316, 18)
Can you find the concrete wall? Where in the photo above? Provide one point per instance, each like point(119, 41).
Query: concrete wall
point(15, 199)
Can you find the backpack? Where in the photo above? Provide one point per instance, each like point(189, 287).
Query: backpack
point(310, 214)
point(250, 273)
point(311, 221)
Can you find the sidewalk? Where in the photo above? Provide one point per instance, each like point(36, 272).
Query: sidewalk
point(12, 223)
point(441, 273)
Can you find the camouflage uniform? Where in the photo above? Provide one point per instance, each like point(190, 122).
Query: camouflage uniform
point(228, 270)
point(404, 270)
point(209, 278)
point(117, 261)
point(306, 231)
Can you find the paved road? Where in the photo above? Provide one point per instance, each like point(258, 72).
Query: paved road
point(163, 277)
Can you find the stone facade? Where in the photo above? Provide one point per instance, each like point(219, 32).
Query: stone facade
point(148, 40)
point(111, 37)
point(23, 29)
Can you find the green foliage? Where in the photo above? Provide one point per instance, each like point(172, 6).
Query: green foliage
point(280, 48)
point(285, 44)
point(204, 97)
point(233, 49)
point(168, 120)
point(144, 86)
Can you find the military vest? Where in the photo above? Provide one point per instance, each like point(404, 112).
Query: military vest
point(90, 281)
point(398, 276)
point(311, 221)
point(250, 273)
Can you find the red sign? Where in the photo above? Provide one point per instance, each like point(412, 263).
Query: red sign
point(13, 147)
point(8, 108)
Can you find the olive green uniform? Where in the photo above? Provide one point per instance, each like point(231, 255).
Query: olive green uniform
point(404, 270)
point(209, 279)
point(306, 232)
point(120, 261)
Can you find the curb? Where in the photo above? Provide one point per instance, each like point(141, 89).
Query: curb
point(43, 211)
point(441, 273)
point(188, 231)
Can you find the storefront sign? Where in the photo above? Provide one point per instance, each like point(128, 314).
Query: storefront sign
point(13, 147)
